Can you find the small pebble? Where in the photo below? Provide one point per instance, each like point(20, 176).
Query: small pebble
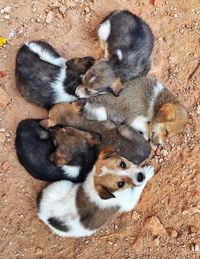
point(156, 241)
point(7, 17)
point(39, 251)
point(195, 247)
point(2, 138)
point(5, 166)
point(7, 9)
point(49, 17)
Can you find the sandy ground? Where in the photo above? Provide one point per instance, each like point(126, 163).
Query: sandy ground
point(166, 222)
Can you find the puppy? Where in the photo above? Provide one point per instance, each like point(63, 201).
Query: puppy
point(35, 150)
point(78, 210)
point(44, 77)
point(132, 145)
point(146, 105)
point(127, 42)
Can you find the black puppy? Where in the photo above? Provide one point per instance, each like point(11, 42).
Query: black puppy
point(35, 147)
point(44, 77)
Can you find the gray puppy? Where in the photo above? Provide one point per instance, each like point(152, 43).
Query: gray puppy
point(127, 42)
point(132, 145)
point(146, 105)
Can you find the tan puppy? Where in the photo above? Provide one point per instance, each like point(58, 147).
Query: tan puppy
point(146, 105)
point(132, 145)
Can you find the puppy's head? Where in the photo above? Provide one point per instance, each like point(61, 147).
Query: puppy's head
point(80, 65)
point(99, 79)
point(71, 143)
point(171, 119)
point(114, 174)
point(64, 114)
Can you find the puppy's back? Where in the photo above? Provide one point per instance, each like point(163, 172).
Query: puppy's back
point(34, 76)
point(33, 147)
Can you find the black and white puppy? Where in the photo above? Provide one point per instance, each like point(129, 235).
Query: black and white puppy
point(44, 77)
point(34, 147)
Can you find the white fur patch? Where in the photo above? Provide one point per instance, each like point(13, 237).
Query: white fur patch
point(71, 171)
point(46, 55)
point(104, 30)
point(140, 124)
point(119, 54)
point(58, 88)
point(99, 112)
point(92, 79)
point(81, 93)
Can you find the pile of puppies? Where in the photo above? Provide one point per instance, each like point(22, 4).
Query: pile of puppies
point(104, 117)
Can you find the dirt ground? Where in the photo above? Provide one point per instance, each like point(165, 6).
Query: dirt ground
point(166, 222)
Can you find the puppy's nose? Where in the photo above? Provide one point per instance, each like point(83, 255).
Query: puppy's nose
point(140, 177)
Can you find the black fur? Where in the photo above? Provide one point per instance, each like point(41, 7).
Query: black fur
point(58, 224)
point(35, 76)
point(34, 147)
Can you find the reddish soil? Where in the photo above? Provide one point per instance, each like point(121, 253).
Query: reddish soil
point(166, 222)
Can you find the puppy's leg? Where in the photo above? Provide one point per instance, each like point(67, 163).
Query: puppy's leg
point(47, 123)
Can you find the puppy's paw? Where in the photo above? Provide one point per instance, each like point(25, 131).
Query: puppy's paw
point(149, 172)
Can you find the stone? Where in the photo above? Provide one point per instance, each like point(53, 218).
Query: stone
point(156, 241)
point(195, 247)
point(7, 9)
point(5, 166)
point(4, 98)
point(172, 232)
point(62, 9)
point(39, 251)
point(164, 152)
point(154, 225)
point(49, 17)
point(7, 17)
point(2, 138)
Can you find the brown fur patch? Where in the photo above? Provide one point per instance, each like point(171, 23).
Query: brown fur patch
point(69, 141)
point(106, 184)
point(166, 113)
point(91, 216)
point(110, 160)
point(59, 111)
point(116, 86)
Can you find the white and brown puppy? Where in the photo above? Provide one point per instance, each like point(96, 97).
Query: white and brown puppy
point(127, 42)
point(146, 105)
point(44, 77)
point(78, 210)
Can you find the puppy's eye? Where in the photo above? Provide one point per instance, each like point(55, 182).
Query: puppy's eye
point(120, 184)
point(122, 164)
point(141, 132)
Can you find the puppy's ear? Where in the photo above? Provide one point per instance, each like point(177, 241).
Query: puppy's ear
point(79, 104)
point(94, 139)
point(166, 113)
point(105, 193)
point(116, 87)
point(47, 123)
point(108, 152)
